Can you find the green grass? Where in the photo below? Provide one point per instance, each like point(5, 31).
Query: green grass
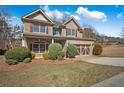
point(71, 75)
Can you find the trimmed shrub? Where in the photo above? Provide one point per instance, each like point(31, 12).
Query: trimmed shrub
point(27, 60)
point(18, 53)
point(32, 55)
point(45, 56)
point(11, 62)
point(71, 51)
point(60, 55)
point(97, 50)
point(54, 50)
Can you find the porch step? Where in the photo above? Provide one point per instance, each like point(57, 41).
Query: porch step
point(38, 55)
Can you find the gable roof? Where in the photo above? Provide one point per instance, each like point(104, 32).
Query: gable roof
point(72, 18)
point(41, 11)
point(47, 17)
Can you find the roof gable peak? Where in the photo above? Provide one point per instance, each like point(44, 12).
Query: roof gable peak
point(38, 10)
point(72, 18)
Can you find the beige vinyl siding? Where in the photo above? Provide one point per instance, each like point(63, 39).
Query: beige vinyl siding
point(50, 29)
point(63, 33)
point(80, 42)
point(27, 27)
point(71, 25)
point(79, 35)
point(39, 17)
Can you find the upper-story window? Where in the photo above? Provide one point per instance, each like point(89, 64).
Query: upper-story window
point(36, 28)
point(40, 28)
point(56, 31)
point(70, 32)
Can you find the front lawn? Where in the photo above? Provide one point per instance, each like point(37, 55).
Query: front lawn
point(75, 74)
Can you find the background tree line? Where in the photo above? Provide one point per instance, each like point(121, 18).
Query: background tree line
point(9, 34)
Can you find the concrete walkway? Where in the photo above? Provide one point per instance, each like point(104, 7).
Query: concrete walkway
point(115, 81)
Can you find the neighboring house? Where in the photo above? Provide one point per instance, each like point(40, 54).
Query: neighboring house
point(40, 31)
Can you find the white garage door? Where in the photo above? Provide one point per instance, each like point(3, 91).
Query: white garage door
point(83, 49)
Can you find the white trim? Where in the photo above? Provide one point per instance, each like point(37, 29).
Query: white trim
point(41, 12)
point(24, 42)
point(52, 40)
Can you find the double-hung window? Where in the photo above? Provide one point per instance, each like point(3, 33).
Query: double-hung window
point(39, 28)
point(70, 32)
point(43, 28)
point(36, 28)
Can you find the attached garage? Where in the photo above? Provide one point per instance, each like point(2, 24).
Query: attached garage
point(84, 47)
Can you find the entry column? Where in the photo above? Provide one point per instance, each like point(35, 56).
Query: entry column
point(80, 50)
point(24, 42)
point(91, 49)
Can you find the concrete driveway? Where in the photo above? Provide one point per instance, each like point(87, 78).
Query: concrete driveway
point(115, 81)
point(104, 60)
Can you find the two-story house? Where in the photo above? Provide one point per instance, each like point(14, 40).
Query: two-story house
point(40, 31)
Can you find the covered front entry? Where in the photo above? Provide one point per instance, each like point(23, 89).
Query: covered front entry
point(39, 47)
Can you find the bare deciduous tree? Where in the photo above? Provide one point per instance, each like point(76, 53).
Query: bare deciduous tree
point(5, 29)
point(90, 32)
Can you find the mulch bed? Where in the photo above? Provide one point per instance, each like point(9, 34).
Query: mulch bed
point(35, 62)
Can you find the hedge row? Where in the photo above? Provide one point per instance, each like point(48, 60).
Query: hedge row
point(55, 51)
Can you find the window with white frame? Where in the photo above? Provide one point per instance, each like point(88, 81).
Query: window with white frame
point(39, 47)
point(70, 32)
point(40, 28)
